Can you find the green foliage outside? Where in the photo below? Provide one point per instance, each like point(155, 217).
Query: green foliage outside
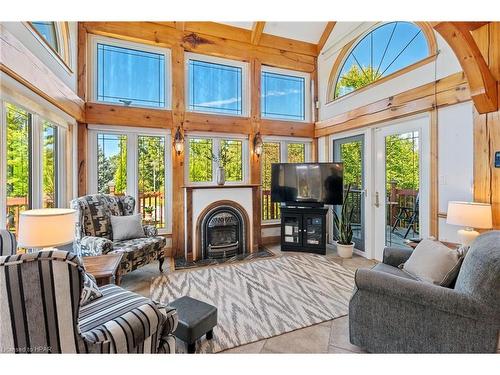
point(151, 152)
point(201, 159)
point(296, 152)
point(114, 167)
point(402, 161)
point(18, 154)
point(49, 165)
point(352, 158)
point(356, 78)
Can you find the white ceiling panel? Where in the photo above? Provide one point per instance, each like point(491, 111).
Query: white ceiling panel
point(305, 31)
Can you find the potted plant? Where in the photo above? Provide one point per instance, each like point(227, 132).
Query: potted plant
point(343, 230)
point(148, 213)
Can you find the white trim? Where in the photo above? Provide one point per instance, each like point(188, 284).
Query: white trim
point(307, 92)
point(92, 63)
point(3, 163)
point(216, 139)
point(132, 134)
point(128, 129)
point(245, 81)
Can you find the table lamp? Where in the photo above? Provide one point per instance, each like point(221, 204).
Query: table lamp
point(469, 215)
point(46, 228)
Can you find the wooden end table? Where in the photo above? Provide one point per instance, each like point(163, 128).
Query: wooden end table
point(103, 268)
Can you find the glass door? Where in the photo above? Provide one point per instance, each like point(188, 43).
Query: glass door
point(350, 151)
point(313, 230)
point(292, 229)
point(401, 189)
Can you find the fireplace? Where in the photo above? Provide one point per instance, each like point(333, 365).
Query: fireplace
point(223, 231)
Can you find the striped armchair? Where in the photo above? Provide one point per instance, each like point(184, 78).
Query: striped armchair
point(8, 243)
point(95, 234)
point(40, 296)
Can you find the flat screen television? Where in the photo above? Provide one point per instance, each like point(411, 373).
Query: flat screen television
point(307, 184)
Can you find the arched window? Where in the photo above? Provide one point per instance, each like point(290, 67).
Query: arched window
point(48, 31)
point(385, 50)
point(55, 36)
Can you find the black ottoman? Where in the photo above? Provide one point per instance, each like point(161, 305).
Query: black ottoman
point(196, 318)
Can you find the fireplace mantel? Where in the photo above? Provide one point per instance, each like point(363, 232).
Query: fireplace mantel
point(198, 197)
point(229, 186)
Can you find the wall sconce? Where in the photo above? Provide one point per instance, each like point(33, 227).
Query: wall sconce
point(257, 144)
point(178, 141)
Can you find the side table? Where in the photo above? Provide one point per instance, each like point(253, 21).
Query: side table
point(103, 268)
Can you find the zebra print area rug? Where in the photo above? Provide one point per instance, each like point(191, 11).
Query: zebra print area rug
point(261, 299)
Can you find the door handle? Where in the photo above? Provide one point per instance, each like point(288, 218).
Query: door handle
point(377, 199)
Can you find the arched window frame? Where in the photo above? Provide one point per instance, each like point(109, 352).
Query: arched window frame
point(345, 52)
point(63, 56)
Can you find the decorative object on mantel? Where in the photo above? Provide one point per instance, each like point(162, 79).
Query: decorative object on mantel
point(470, 215)
point(46, 228)
point(253, 298)
point(343, 230)
point(258, 144)
point(178, 141)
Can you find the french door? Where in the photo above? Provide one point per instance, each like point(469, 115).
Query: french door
point(351, 152)
point(401, 183)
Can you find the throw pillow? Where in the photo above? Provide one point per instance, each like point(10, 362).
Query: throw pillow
point(127, 227)
point(433, 262)
point(90, 289)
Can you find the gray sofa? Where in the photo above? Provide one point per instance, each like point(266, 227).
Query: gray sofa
point(391, 312)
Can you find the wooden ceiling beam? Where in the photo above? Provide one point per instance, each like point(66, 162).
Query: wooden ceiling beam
point(483, 85)
point(324, 37)
point(159, 34)
point(257, 31)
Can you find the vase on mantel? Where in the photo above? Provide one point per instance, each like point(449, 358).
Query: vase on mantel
point(221, 176)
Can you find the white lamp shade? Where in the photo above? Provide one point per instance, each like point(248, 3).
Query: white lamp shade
point(469, 214)
point(46, 227)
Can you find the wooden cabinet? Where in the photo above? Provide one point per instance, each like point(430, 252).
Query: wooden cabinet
point(303, 229)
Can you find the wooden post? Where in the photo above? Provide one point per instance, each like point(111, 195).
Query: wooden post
point(178, 108)
point(255, 161)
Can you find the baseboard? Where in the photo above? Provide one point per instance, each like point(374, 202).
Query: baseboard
point(271, 240)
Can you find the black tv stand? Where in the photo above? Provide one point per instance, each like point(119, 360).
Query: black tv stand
point(303, 229)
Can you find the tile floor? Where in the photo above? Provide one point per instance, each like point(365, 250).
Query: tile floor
point(328, 337)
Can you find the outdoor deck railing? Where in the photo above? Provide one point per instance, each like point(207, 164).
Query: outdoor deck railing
point(270, 210)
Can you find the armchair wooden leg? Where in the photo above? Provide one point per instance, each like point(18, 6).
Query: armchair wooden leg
point(161, 263)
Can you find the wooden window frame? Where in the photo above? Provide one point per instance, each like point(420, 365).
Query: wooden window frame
point(307, 92)
point(63, 56)
point(132, 134)
point(344, 53)
point(93, 40)
point(245, 82)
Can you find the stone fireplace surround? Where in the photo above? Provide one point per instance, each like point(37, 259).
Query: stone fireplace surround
point(204, 199)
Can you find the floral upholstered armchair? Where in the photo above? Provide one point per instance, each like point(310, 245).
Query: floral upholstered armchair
point(95, 234)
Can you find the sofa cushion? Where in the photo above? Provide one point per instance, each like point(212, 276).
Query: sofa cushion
point(433, 262)
point(381, 267)
point(127, 227)
point(479, 276)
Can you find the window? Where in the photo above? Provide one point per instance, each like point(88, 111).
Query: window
point(18, 164)
point(277, 151)
point(54, 36)
point(133, 161)
point(48, 31)
point(111, 164)
point(216, 85)
point(49, 165)
point(206, 154)
point(285, 95)
point(129, 74)
point(385, 50)
point(31, 170)
point(151, 179)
